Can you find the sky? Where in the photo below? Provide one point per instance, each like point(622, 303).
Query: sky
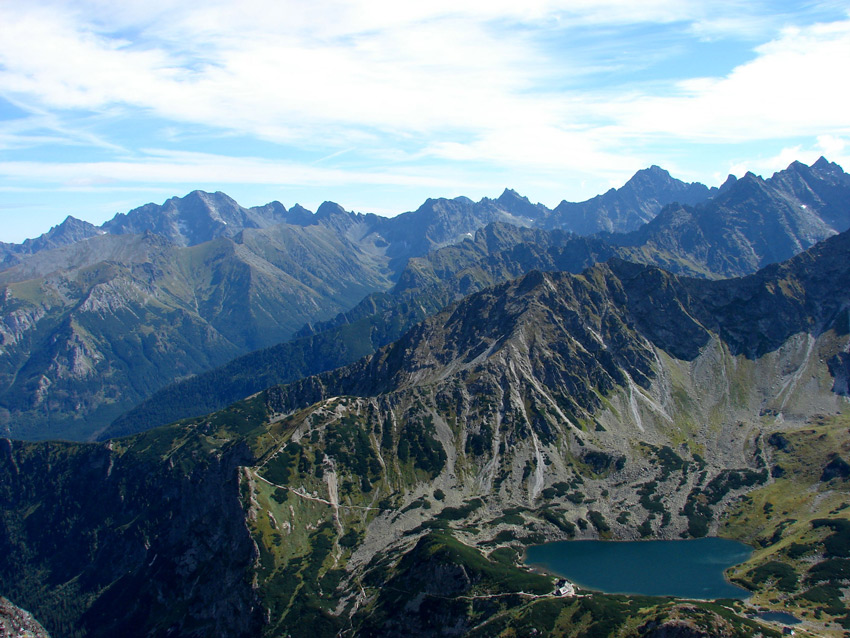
point(378, 105)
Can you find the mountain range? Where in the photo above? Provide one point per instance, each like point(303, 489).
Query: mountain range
point(725, 236)
point(395, 494)
point(432, 393)
point(629, 207)
point(96, 320)
point(91, 327)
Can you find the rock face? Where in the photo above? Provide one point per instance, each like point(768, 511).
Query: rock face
point(623, 402)
point(16, 622)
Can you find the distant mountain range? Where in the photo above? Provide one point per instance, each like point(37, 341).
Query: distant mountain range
point(500, 252)
point(395, 494)
point(753, 222)
point(95, 320)
point(628, 208)
point(91, 327)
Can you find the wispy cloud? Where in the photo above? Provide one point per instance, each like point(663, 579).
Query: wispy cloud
point(830, 146)
point(171, 167)
point(429, 94)
point(297, 73)
point(789, 89)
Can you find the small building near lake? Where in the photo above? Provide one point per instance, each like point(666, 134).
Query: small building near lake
point(564, 588)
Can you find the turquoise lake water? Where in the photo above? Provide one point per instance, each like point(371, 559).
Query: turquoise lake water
point(683, 568)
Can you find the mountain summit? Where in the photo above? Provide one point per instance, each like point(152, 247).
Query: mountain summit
point(196, 218)
point(625, 209)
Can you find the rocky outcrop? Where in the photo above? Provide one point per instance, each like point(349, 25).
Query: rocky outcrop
point(17, 623)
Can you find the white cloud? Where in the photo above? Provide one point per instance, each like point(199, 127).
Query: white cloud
point(790, 89)
point(169, 167)
point(291, 78)
point(828, 146)
point(312, 72)
point(489, 83)
point(832, 146)
point(542, 148)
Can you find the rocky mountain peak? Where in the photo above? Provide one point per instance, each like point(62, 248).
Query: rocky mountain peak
point(823, 164)
point(747, 187)
point(654, 173)
point(208, 199)
point(195, 218)
point(520, 205)
point(436, 205)
point(335, 216)
point(510, 198)
point(70, 223)
point(725, 186)
point(299, 215)
point(627, 208)
point(330, 209)
point(70, 231)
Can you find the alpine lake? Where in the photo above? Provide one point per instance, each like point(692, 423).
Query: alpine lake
point(681, 568)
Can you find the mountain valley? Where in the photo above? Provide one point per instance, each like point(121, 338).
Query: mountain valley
point(433, 393)
point(397, 493)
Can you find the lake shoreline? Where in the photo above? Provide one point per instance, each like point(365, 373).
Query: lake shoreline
point(691, 564)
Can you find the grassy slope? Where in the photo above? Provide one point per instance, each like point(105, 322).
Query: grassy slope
point(781, 521)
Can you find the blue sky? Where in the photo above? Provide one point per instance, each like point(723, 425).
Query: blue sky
point(378, 105)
